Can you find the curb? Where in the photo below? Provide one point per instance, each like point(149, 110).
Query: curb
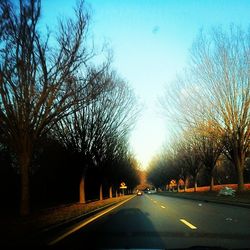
point(207, 199)
point(75, 219)
point(44, 234)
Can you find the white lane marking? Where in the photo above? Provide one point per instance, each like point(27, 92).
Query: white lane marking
point(154, 201)
point(61, 237)
point(149, 198)
point(188, 224)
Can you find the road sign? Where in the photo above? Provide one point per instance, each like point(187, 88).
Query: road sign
point(123, 185)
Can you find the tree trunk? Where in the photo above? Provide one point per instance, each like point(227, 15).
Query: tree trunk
point(195, 183)
point(239, 163)
point(240, 172)
point(211, 182)
point(82, 198)
point(101, 194)
point(241, 186)
point(24, 160)
point(185, 184)
point(110, 192)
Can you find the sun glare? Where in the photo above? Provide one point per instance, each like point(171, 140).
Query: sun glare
point(147, 137)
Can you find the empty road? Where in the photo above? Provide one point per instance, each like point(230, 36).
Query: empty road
point(161, 222)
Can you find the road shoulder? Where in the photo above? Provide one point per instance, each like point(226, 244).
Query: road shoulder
point(23, 231)
point(241, 200)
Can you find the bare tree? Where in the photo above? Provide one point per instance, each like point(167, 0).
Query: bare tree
point(186, 155)
point(221, 64)
point(38, 81)
point(216, 89)
point(80, 130)
point(114, 113)
point(164, 168)
point(210, 145)
point(96, 132)
point(180, 162)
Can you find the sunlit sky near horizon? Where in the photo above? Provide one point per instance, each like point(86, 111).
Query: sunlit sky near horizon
point(150, 40)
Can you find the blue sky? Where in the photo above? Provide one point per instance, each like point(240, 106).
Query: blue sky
point(150, 40)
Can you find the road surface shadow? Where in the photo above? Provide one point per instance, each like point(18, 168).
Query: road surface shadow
point(124, 229)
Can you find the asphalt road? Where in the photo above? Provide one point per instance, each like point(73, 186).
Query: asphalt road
point(160, 222)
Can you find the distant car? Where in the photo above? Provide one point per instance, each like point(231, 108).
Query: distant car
point(139, 193)
point(152, 191)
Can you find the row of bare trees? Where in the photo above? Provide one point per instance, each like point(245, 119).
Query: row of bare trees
point(50, 87)
point(97, 132)
point(210, 104)
point(189, 159)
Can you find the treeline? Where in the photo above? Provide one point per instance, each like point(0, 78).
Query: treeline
point(189, 162)
point(209, 107)
point(64, 118)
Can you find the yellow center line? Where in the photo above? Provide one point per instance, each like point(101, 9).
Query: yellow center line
point(61, 237)
point(155, 201)
point(163, 207)
point(188, 224)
